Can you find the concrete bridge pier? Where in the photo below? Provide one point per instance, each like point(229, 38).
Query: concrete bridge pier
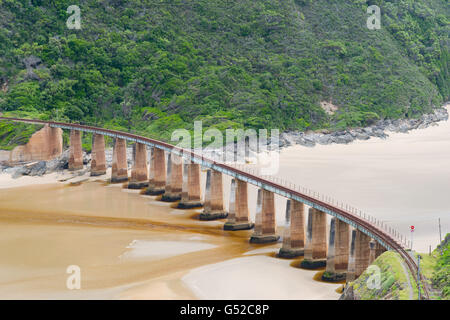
point(168, 175)
point(258, 215)
point(316, 250)
point(139, 172)
point(342, 247)
point(338, 251)
point(330, 269)
point(119, 171)
point(372, 251)
point(213, 208)
point(362, 252)
point(268, 225)
point(379, 249)
point(241, 219)
point(351, 271)
point(294, 240)
point(76, 151)
point(191, 195)
point(98, 158)
point(44, 144)
point(174, 181)
point(157, 182)
point(185, 184)
point(232, 205)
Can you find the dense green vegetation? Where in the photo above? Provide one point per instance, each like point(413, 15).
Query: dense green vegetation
point(13, 134)
point(441, 277)
point(152, 66)
point(393, 285)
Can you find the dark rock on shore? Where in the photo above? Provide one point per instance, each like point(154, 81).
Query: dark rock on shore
point(310, 139)
point(31, 169)
point(39, 168)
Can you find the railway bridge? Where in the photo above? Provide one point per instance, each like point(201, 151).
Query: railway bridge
point(354, 241)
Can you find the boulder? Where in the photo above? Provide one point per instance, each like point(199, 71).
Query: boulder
point(38, 169)
point(323, 139)
point(343, 139)
point(17, 172)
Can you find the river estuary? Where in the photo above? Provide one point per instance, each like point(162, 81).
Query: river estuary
point(131, 246)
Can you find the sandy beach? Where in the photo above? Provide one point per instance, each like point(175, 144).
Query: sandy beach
point(6, 181)
point(247, 278)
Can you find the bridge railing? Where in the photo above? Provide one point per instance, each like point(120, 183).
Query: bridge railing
point(375, 222)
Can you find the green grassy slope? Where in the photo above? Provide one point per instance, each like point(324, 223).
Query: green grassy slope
point(441, 275)
point(153, 66)
point(13, 134)
point(393, 280)
point(435, 267)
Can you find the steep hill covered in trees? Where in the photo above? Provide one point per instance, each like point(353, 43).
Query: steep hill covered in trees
point(153, 66)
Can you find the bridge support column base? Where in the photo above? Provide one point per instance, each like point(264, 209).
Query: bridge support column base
point(153, 191)
point(229, 226)
point(313, 264)
point(213, 216)
point(264, 238)
point(171, 197)
point(334, 276)
point(76, 168)
point(97, 173)
point(190, 205)
point(290, 253)
point(119, 179)
point(137, 185)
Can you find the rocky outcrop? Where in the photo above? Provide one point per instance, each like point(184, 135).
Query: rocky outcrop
point(325, 137)
point(32, 63)
point(39, 168)
point(44, 144)
point(379, 130)
point(61, 162)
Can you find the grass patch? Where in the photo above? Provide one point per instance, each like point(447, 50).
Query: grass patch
point(15, 134)
point(393, 280)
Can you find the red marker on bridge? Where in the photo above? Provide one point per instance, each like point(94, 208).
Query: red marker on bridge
point(412, 232)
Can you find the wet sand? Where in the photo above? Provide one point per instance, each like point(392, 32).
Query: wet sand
point(257, 277)
point(7, 182)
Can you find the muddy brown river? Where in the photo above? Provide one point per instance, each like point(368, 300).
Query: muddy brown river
point(130, 246)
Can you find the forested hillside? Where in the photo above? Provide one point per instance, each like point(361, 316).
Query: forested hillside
point(153, 66)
